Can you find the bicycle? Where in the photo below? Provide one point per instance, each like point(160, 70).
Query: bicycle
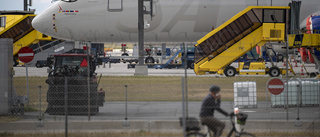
point(193, 129)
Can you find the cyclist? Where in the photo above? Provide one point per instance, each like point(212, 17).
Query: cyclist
point(210, 103)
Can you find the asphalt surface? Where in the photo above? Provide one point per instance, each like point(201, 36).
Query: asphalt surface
point(158, 111)
point(118, 69)
point(121, 69)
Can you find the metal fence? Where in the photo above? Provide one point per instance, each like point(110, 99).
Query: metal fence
point(299, 92)
point(152, 105)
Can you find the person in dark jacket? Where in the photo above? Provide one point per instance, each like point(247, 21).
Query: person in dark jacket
point(210, 103)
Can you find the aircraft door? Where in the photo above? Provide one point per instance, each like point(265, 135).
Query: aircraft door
point(115, 5)
point(150, 7)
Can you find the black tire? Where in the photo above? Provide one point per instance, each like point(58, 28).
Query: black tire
point(245, 134)
point(274, 72)
point(191, 64)
point(230, 71)
point(196, 134)
point(149, 60)
point(38, 65)
point(313, 75)
point(125, 54)
point(260, 60)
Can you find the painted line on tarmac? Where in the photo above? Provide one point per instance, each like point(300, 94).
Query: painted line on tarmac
point(281, 112)
point(248, 111)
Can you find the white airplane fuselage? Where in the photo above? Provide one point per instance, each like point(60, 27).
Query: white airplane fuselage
point(173, 20)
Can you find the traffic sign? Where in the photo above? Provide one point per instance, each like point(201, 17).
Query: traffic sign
point(275, 86)
point(25, 54)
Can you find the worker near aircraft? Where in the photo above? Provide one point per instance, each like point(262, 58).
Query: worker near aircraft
point(210, 103)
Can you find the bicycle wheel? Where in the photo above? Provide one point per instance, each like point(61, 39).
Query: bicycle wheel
point(196, 134)
point(245, 134)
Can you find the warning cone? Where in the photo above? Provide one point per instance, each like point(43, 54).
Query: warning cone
point(301, 71)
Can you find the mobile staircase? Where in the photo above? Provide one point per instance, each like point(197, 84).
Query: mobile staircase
point(17, 26)
point(308, 41)
point(254, 26)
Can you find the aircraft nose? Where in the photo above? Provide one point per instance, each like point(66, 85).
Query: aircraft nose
point(43, 22)
point(37, 23)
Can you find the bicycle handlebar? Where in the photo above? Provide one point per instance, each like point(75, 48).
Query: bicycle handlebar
point(231, 116)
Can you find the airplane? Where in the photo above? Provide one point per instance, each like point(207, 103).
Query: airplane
point(172, 20)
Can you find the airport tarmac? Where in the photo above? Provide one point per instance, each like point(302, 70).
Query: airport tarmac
point(113, 69)
point(121, 69)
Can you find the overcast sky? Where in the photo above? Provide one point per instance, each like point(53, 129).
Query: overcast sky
point(39, 5)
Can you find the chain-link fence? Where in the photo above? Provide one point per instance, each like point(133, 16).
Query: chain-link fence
point(152, 105)
point(76, 96)
point(300, 92)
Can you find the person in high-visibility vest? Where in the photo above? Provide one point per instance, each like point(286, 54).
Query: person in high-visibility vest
point(210, 103)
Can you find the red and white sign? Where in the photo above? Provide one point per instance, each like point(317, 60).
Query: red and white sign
point(25, 54)
point(275, 86)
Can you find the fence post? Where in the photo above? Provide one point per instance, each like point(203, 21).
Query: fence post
point(183, 109)
point(88, 80)
point(299, 98)
point(126, 86)
point(126, 122)
point(40, 124)
point(66, 104)
point(27, 82)
point(186, 78)
point(267, 96)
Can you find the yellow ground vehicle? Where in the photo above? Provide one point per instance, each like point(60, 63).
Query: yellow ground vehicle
point(308, 41)
point(254, 26)
point(17, 25)
point(251, 68)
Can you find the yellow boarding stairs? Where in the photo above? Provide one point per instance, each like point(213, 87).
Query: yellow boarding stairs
point(19, 28)
point(304, 40)
point(307, 41)
point(254, 26)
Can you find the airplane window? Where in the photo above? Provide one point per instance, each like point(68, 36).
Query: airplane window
point(2, 21)
point(274, 16)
